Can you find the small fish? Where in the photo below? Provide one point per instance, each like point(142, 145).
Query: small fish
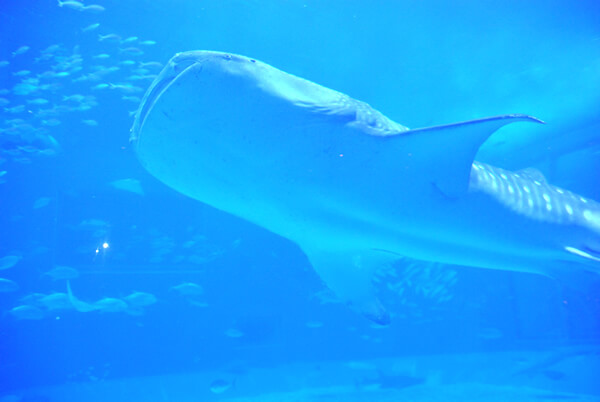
point(141, 77)
point(197, 303)
point(15, 109)
point(32, 299)
point(22, 73)
point(85, 77)
point(41, 202)
point(188, 289)
point(140, 299)
point(131, 51)
point(110, 305)
point(219, 386)
point(24, 88)
point(140, 71)
point(101, 86)
point(127, 62)
point(14, 122)
point(151, 64)
point(135, 99)
point(9, 261)
point(126, 88)
point(61, 74)
point(91, 123)
point(74, 5)
point(80, 108)
point(148, 43)
point(129, 40)
point(314, 324)
point(90, 27)
point(109, 38)
point(101, 56)
point(56, 301)
point(131, 185)
point(6, 285)
point(4, 102)
point(51, 122)
point(62, 272)
point(4, 63)
point(93, 224)
point(26, 312)
point(21, 50)
point(37, 101)
point(94, 8)
point(234, 333)
point(51, 49)
point(75, 98)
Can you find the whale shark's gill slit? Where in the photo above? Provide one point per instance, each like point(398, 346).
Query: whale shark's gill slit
point(177, 66)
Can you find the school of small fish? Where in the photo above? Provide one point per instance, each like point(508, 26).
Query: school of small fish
point(415, 286)
point(41, 89)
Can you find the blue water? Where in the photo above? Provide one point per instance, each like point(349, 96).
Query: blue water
point(63, 160)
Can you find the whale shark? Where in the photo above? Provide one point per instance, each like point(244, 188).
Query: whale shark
point(352, 188)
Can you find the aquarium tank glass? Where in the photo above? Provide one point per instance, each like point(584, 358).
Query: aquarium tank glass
point(299, 200)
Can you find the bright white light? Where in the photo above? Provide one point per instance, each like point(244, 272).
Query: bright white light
point(104, 245)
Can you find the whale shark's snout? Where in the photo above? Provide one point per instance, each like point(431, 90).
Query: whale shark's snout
point(174, 68)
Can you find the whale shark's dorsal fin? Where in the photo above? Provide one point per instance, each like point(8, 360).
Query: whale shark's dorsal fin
point(445, 153)
point(532, 173)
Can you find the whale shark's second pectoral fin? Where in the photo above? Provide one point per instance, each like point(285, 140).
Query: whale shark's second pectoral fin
point(445, 153)
point(349, 273)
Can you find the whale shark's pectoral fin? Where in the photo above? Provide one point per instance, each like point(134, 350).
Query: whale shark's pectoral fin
point(349, 273)
point(445, 153)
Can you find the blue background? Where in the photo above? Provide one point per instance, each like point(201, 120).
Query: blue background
point(421, 63)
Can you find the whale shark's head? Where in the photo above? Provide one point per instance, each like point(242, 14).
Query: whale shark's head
point(176, 66)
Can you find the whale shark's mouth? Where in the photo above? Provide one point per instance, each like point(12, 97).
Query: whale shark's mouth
point(176, 66)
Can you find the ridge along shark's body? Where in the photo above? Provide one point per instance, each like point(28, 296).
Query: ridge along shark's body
point(351, 187)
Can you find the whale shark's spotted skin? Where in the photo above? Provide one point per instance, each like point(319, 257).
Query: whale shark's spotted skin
point(527, 193)
point(352, 188)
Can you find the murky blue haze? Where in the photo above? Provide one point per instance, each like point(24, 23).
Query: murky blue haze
point(173, 300)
